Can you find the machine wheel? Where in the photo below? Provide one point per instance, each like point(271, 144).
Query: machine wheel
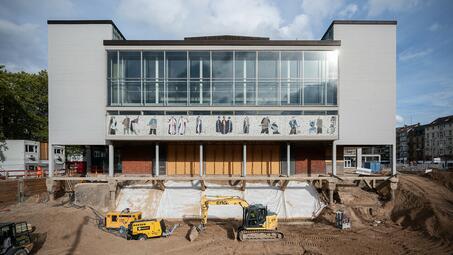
point(142, 237)
point(123, 230)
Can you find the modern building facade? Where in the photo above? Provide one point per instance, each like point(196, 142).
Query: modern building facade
point(222, 105)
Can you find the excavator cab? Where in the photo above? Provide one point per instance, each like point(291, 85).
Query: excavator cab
point(255, 216)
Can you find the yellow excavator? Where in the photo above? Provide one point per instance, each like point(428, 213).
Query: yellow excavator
point(258, 223)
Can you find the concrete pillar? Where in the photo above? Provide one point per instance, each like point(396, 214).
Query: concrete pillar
point(244, 160)
point(288, 159)
point(331, 187)
point(359, 157)
point(201, 160)
point(51, 159)
point(393, 159)
point(156, 161)
point(111, 159)
point(51, 186)
point(88, 157)
point(334, 158)
point(393, 186)
point(112, 190)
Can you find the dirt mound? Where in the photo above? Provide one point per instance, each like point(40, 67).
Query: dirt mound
point(422, 204)
point(444, 177)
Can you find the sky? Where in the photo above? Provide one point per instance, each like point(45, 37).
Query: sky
point(424, 33)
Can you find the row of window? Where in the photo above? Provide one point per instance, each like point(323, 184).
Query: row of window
point(216, 113)
point(222, 78)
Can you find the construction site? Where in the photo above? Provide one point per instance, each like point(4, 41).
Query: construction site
point(418, 220)
point(221, 144)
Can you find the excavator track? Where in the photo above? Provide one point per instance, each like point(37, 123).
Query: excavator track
point(260, 235)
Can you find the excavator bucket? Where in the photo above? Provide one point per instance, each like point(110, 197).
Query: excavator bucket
point(194, 232)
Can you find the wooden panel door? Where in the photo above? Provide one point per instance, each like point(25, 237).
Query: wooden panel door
point(275, 160)
point(209, 159)
point(237, 159)
point(171, 159)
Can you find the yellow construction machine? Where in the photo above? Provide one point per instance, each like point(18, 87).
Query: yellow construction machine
point(258, 223)
point(130, 225)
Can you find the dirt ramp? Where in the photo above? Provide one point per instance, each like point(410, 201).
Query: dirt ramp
point(423, 204)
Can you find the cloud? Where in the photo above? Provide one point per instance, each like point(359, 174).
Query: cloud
point(349, 10)
point(179, 18)
point(410, 54)
point(21, 46)
point(206, 17)
point(399, 119)
point(434, 27)
point(377, 7)
point(23, 33)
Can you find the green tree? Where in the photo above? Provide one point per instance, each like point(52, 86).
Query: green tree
point(23, 105)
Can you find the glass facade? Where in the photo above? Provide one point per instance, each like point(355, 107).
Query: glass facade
point(198, 78)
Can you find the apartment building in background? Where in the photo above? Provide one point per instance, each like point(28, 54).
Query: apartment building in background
point(439, 140)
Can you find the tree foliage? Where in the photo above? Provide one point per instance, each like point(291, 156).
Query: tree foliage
point(23, 105)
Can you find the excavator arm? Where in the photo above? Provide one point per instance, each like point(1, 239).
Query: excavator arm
point(219, 200)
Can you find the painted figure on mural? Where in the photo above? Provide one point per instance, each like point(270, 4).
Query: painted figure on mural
point(199, 125)
point(182, 125)
point(223, 126)
point(333, 124)
point(312, 128)
point(218, 125)
point(265, 125)
point(126, 125)
point(319, 126)
point(246, 125)
point(274, 128)
point(229, 125)
point(293, 126)
point(134, 126)
point(112, 126)
point(152, 126)
point(172, 126)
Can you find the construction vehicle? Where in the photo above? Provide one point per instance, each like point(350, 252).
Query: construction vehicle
point(116, 220)
point(130, 225)
point(15, 238)
point(258, 223)
point(144, 229)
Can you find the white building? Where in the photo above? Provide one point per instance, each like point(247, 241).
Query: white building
point(19, 155)
point(222, 105)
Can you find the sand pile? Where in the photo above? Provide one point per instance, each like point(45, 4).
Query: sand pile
point(423, 204)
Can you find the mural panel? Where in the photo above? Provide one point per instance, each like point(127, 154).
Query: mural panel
point(222, 126)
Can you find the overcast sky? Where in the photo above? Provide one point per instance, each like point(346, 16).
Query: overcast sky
point(424, 47)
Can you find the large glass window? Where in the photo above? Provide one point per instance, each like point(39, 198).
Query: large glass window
point(130, 65)
point(245, 77)
point(200, 73)
point(222, 77)
point(314, 65)
point(130, 74)
point(153, 73)
point(291, 74)
point(313, 93)
point(177, 78)
point(268, 85)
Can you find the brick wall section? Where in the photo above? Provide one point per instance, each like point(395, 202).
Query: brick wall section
point(8, 192)
point(9, 189)
point(310, 159)
point(34, 186)
point(137, 159)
